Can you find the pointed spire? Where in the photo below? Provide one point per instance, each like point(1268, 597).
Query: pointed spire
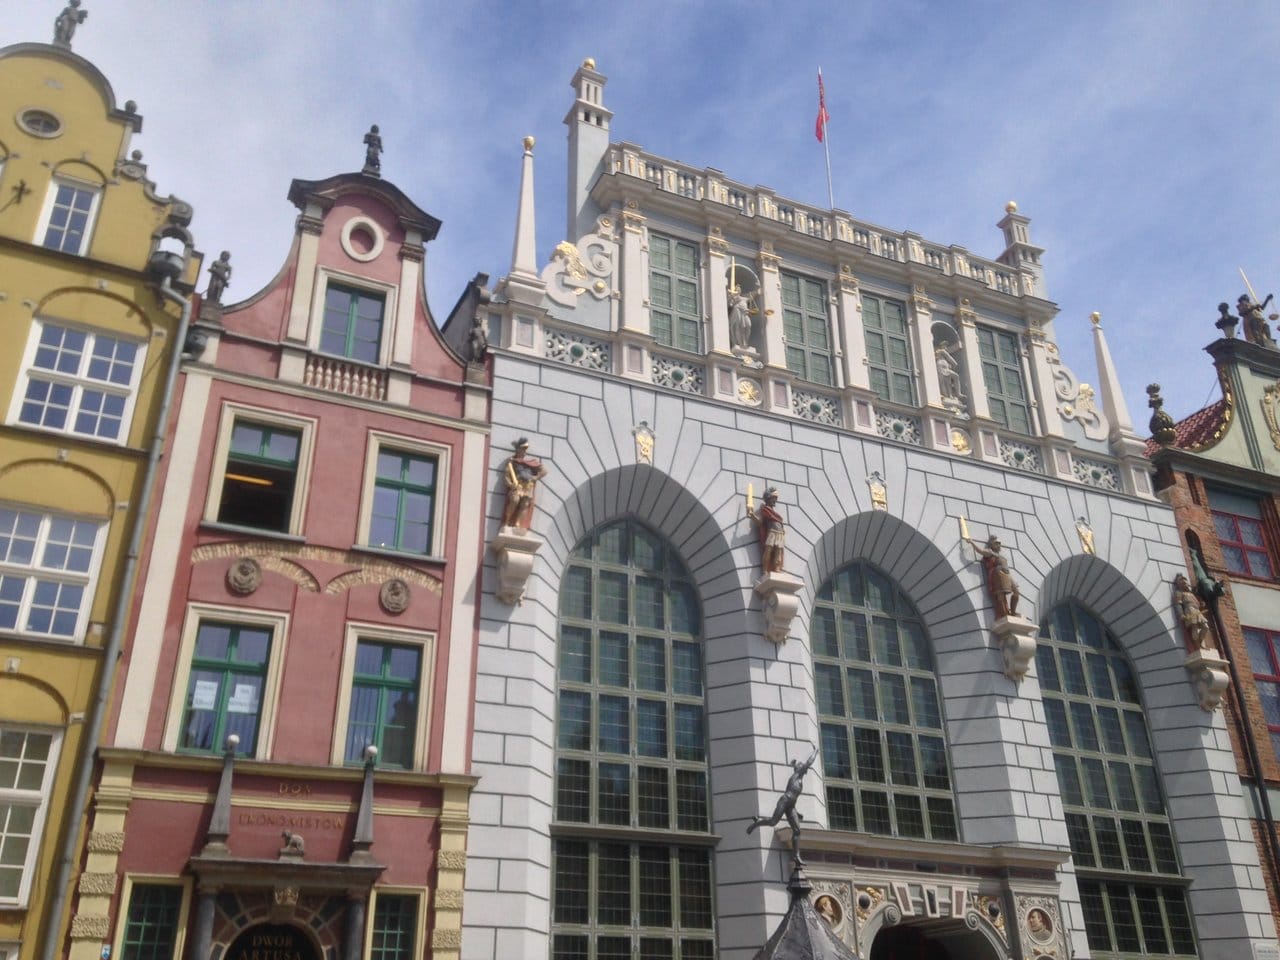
point(1019, 252)
point(523, 256)
point(588, 122)
point(1113, 405)
point(219, 832)
point(523, 284)
point(362, 840)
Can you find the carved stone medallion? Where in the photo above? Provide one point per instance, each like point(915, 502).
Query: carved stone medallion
point(244, 576)
point(394, 596)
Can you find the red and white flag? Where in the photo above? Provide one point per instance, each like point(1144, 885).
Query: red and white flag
point(820, 128)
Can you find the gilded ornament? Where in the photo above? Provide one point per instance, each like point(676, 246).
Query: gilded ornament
point(749, 392)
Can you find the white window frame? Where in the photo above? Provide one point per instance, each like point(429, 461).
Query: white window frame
point(126, 896)
point(9, 950)
point(78, 381)
point(25, 797)
point(33, 571)
point(231, 412)
point(388, 292)
point(42, 227)
point(277, 623)
point(377, 441)
point(380, 633)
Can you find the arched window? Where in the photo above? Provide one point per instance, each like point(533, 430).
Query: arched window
point(631, 851)
point(884, 754)
point(1126, 862)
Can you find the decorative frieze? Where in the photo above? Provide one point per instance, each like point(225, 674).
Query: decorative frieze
point(1095, 473)
point(817, 407)
point(576, 350)
point(1021, 456)
point(897, 426)
point(679, 374)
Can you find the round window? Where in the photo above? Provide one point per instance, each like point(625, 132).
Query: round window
point(40, 123)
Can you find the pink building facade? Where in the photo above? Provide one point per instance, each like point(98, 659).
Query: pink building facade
point(288, 765)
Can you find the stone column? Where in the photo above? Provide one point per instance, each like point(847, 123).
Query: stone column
point(849, 324)
point(713, 288)
point(771, 340)
point(354, 948)
point(202, 936)
point(634, 282)
point(968, 321)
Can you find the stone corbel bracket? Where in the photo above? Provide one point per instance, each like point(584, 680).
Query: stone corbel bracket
point(779, 603)
point(1018, 644)
point(1210, 675)
point(515, 550)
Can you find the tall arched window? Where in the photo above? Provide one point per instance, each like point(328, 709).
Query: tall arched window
point(884, 754)
point(631, 848)
point(1131, 886)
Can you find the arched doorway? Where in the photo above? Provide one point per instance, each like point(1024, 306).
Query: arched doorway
point(907, 943)
point(936, 940)
point(282, 940)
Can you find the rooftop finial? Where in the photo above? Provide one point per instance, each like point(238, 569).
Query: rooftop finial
point(1162, 427)
point(1095, 318)
point(528, 144)
point(1011, 206)
point(589, 63)
point(65, 23)
point(372, 151)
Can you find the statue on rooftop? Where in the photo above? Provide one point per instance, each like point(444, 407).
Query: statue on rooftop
point(219, 278)
point(477, 341)
point(1256, 328)
point(372, 151)
point(65, 23)
point(521, 474)
point(1001, 586)
point(786, 805)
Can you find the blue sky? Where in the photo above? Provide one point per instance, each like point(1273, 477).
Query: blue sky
point(1140, 137)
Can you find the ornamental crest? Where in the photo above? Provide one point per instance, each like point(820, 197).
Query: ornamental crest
point(582, 268)
point(1270, 402)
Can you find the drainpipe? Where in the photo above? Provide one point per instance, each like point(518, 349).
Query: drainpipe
point(169, 266)
point(1211, 591)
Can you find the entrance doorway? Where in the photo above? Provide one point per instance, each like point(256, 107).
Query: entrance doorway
point(275, 940)
point(907, 943)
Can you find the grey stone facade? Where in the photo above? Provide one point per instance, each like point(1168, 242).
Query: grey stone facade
point(577, 370)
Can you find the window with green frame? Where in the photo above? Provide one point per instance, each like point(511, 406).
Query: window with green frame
point(806, 328)
point(260, 477)
point(384, 702)
point(1131, 887)
point(404, 496)
point(631, 755)
point(395, 925)
point(1002, 375)
point(224, 694)
point(884, 753)
point(675, 317)
point(352, 325)
point(151, 926)
point(884, 325)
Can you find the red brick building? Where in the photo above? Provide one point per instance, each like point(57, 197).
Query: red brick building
point(288, 764)
point(1220, 471)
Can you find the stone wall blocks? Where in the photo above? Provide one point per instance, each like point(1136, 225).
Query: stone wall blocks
point(559, 379)
point(810, 437)
point(528, 751)
point(482, 874)
point(486, 808)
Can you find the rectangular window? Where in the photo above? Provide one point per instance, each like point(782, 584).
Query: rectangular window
point(404, 495)
point(884, 325)
point(151, 926)
point(384, 703)
point(1264, 659)
point(395, 926)
point(78, 382)
point(68, 216)
point(1237, 520)
point(47, 565)
point(259, 483)
point(352, 325)
point(806, 328)
point(675, 318)
point(226, 686)
point(27, 762)
point(1002, 374)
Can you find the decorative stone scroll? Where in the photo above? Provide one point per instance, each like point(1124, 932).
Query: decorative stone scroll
point(778, 591)
point(515, 550)
point(1210, 675)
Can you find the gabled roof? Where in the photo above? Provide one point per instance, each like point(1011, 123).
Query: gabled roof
point(331, 188)
point(1198, 430)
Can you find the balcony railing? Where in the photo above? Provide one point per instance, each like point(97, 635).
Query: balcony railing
point(345, 376)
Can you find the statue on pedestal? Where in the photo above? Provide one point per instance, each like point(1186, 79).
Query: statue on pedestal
point(219, 278)
point(65, 23)
point(786, 806)
point(372, 151)
point(771, 530)
point(521, 474)
point(1187, 606)
point(1001, 586)
point(1256, 328)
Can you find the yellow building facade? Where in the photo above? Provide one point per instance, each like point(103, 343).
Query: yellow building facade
point(95, 273)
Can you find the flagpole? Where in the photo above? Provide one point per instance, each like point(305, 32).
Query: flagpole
point(826, 147)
